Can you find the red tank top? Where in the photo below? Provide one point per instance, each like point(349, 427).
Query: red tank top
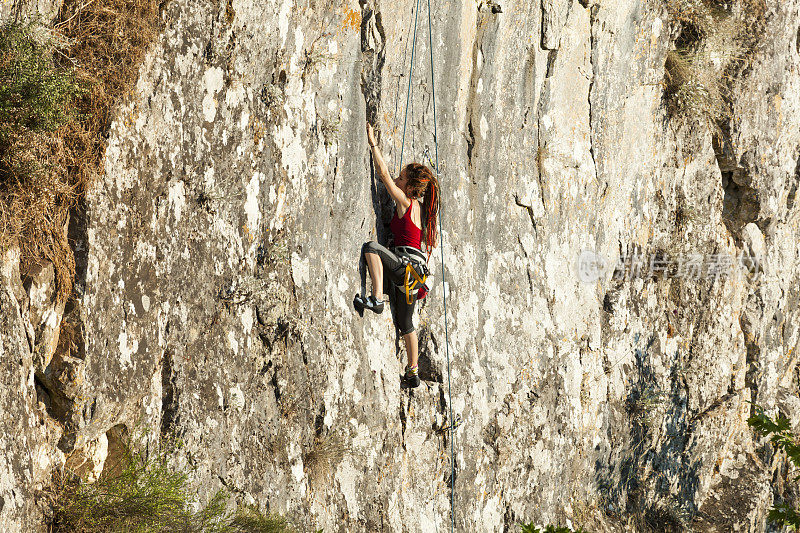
point(404, 231)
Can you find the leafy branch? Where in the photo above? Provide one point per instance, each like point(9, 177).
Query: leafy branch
point(781, 436)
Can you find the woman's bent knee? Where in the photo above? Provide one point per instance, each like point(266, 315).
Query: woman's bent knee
point(370, 247)
point(406, 333)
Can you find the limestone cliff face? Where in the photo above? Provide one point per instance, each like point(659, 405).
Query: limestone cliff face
point(218, 259)
point(43, 10)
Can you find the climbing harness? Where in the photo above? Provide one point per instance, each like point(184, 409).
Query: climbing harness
point(411, 280)
point(436, 169)
point(416, 271)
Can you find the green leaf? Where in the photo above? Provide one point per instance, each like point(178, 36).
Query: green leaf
point(785, 515)
point(781, 437)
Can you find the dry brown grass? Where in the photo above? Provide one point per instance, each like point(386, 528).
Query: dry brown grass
point(70, 338)
point(108, 39)
point(715, 43)
point(35, 191)
point(50, 172)
point(326, 453)
point(34, 210)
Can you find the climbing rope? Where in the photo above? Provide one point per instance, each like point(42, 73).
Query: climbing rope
point(397, 90)
point(408, 91)
point(452, 425)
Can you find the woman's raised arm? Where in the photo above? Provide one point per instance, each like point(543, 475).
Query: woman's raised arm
point(383, 172)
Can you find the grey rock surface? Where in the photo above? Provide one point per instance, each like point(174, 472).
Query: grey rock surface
point(28, 435)
point(43, 10)
point(220, 252)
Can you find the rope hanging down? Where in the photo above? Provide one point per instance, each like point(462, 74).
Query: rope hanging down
point(441, 236)
point(397, 90)
point(408, 91)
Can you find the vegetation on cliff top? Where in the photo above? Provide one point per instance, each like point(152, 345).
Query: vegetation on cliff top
point(37, 97)
point(59, 88)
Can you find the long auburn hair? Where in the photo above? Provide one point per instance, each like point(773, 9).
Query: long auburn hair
point(423, 183)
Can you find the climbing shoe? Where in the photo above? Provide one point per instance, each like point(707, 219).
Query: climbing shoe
point(359, 303)
point(410, 379)
point(373, 304)
point(370, 302)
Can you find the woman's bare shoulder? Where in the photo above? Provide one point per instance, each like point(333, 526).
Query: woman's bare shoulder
point(416, 214)
point(401, 205)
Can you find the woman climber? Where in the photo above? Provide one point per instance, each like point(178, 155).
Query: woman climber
point(405, 262)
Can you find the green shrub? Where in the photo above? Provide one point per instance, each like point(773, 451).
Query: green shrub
point(56, 107)
point(145, 495)
point(37, 98)
point(782, 438)
point(36, 95)
point(249, 519)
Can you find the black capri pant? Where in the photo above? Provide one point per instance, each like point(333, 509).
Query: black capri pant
point(394, 272)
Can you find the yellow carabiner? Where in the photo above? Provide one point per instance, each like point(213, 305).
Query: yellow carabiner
point(410, 286)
